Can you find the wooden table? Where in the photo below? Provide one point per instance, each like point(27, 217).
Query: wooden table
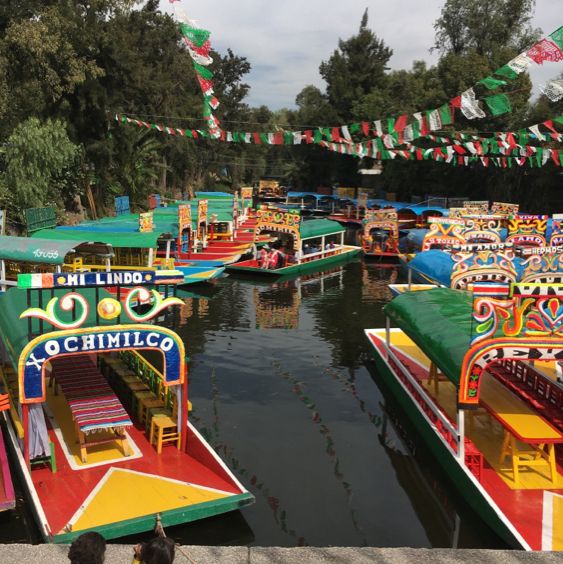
point(520, 423)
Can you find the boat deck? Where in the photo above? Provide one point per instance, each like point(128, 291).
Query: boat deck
point(113, 493)
point(533, 503)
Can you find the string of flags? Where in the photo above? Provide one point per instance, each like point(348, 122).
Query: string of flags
point(394, 136)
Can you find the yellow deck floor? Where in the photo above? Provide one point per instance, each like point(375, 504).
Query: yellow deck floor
point(124, 494)
point(481, 427)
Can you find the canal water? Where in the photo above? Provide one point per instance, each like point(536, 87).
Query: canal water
point(283, 388)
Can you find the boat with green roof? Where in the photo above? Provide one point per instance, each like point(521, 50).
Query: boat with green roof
point(299, 245)
point(477, 372)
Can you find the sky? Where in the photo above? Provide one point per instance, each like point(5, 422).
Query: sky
point(286, 41)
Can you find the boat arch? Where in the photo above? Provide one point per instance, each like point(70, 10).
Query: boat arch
point(485, 353)
point(44, 348)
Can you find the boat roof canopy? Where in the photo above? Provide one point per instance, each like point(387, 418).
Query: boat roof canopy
point(123, 239)
point(311, 228)
point(46, 250)
point(439, 322)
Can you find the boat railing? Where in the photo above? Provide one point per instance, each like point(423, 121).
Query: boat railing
point(451, 441)
point(324, 253)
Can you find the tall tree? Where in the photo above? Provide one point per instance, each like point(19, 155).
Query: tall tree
point(36, 156)
point(354, 69)
point(484, 27)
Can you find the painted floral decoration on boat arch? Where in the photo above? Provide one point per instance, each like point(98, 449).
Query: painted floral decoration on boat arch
point(108, 308)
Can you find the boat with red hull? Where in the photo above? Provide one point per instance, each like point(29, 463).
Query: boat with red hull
point(100, 431)
point(477, 374)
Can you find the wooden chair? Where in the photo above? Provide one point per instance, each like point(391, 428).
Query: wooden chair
point(164, 430)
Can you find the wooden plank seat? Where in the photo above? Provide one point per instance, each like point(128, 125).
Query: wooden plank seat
point(93, 404)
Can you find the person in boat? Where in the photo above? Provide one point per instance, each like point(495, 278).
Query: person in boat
point(160, 550)
point(88, 548)
point(263, 256)
point(391, 245)
point(275, 258)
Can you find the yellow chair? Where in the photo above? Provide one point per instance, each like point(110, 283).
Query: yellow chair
point(164, 430)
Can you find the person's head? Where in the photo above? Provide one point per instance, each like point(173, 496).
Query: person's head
point(158, 551)
point(89, 548)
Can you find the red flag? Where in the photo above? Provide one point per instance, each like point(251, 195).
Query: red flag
point(336, 134)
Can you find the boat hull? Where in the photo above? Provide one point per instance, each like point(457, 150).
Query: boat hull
point(459, 476)
point(348, 254)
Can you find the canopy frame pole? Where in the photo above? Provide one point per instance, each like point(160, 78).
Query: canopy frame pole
point(25, 424)
point(409, 278)
point(3, 275)
point(387, 331)
point(461, 435)
point(342, 238)
point(151, 257)
point(168, 246)
point(184, 412)
point(323, 246)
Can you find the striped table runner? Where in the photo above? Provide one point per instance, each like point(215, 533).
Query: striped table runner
point(93, 404)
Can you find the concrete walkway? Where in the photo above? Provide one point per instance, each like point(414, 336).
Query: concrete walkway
point(121, 554)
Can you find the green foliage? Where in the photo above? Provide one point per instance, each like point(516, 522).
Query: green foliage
point(354, 69)
point(37, 156)
point(483, 27)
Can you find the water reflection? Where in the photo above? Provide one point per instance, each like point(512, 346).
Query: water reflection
point(280, 388)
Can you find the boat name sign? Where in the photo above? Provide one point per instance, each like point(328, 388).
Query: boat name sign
point(87, 279)
point(91, 340)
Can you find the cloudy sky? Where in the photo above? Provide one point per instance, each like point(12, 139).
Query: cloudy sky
point(285, 41)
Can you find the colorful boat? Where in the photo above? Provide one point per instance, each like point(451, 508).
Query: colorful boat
point(380, 234)
point(20, 255)
point(131, 250)
point(477, 375)
point(307, 245)
point(100, 431)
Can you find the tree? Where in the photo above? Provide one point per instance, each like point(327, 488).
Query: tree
point(36, 156)
point(354, 69)
point(483, 27)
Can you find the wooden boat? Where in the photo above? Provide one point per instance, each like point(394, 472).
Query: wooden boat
point(20, 255)
point(100, 433)
point(398, 289)
point(308, 245)
point(130, 250)
point(380, 234)
point(475, 372)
